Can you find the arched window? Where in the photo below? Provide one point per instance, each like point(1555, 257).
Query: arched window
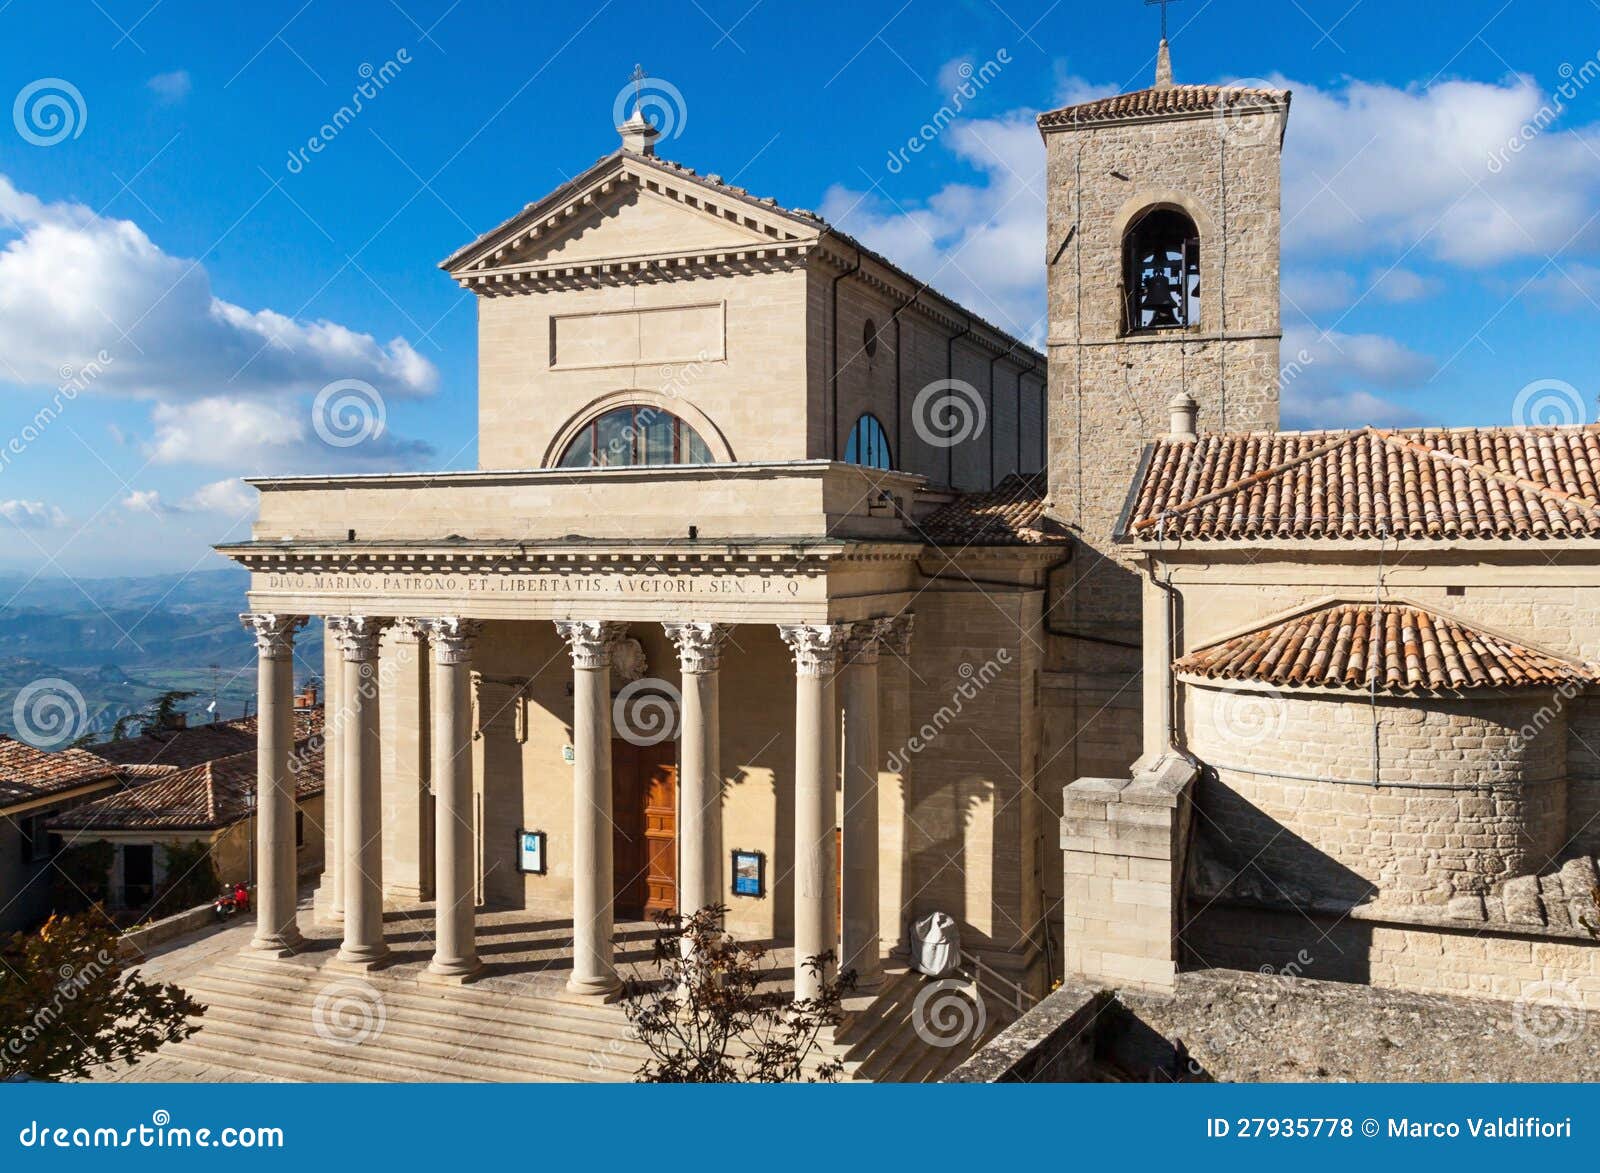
point(868, 444)
point(636, 434)
point(1161, 271)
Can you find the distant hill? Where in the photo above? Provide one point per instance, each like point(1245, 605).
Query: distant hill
point(122, 642)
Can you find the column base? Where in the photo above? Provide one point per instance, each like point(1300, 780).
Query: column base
point(607, 989)
point(450, 973)
point(360, 959)
point(274, 948)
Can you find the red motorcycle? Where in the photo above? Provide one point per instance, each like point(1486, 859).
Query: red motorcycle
point(232, 902)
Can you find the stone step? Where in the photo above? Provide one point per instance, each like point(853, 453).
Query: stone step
point(602, 1024)
point(517, 1043)
point(389, 1057)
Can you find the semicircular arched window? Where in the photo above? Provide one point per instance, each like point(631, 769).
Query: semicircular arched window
point(1161, 271)
point(636, 434)
point(868, 444)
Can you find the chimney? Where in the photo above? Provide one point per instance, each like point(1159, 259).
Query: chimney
point(1163, 66)
point(1184, 410)
point(638, 136)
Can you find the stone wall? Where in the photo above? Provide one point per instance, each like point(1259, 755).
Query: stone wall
point(1463, 801)
point(1561, 974)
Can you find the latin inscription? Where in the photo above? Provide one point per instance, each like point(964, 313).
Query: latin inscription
point(688, 585)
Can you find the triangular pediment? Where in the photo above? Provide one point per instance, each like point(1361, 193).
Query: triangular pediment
point(631, 207)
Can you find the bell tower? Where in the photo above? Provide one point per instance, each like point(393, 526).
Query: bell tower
point(1162, 255)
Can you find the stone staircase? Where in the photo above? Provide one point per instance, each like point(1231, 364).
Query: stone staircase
point(893, 1039)
point(286, 1022)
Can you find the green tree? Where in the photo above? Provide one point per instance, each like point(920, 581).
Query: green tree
point(191, 878)
point(81, 876)
point(68, 1003)
point(706, 1018)
point(161, 713)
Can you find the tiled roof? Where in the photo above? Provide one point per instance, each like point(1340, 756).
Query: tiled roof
point(1163, 100)
point(1427, 483)
point(201, 798)
point(1010, 514)
point(27, 773)
point(1398, 647)
point(182, 748)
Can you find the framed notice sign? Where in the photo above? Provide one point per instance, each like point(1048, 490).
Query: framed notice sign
point(530, 852)
point(749, 873)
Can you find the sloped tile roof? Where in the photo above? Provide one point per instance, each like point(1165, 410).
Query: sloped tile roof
point(206, 797)
point(182, 748)
point(27, 773)
point(1163, 100)
point(1416, 484)
point(1010, 514)
point(1399, 647)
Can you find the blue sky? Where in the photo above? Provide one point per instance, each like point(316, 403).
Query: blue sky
point(1431, 271)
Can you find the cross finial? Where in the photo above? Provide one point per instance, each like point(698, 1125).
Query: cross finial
point(637, 77)
point(1163, 4)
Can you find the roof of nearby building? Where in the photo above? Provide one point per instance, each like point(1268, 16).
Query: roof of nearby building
point(27, 773)
point(1010, 514)
point(182, 748)
point(205, 797)
point(1395, 647)
point(1411, 484)
point(1160, 101)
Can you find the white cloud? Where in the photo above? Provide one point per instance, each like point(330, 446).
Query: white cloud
point(230, 497)
point(1326, 378)
point(1376, 168)
point(1401, 285)
point(269, 438)
point(171, 87)
point(146, 501)
point(1316, 291)
point(32, 514)
point(980, 243)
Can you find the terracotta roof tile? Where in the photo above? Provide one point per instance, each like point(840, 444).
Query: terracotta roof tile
point(1163, 100)
point(1419, 484)
point(183, 748)
point(27, 773)
point(1399, 647)
point(1010, 514)
point(206, 797)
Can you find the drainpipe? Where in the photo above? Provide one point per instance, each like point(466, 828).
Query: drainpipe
point(1160, 650)
point(899, 416)
point(833, 337)
point(950, 374)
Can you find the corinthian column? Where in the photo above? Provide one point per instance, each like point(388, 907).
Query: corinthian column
point(594, 971)
point(455, 953)
point(362, 866)
point(816, 775)
point(699, 764)
point(858, 696)
point(277, 934)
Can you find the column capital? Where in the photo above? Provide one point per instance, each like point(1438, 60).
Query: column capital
point(591, 640)
point(699, 644)
point(274, 633)
point(453, 638)
point(358, 635)
point(410, 629)
point(895, 636)
point(815, 646)
point(865, 641)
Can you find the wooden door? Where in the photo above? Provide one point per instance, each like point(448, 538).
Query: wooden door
point(644, 788)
